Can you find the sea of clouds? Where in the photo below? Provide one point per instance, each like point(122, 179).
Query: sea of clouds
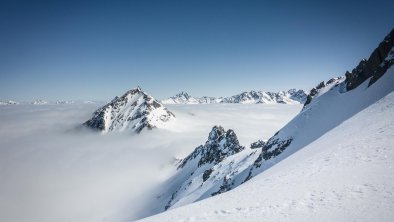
point(51, 169)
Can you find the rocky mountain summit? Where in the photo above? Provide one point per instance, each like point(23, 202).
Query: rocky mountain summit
point(219, 145)
point(202, 170)
point(134, 111)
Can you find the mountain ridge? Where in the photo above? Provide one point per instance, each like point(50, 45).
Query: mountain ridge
point(292, 96)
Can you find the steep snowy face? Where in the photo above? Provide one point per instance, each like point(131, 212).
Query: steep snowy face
point(331, 103)
point(292, 96)
point(381, 59)
point(134, 111)
point(201, 174)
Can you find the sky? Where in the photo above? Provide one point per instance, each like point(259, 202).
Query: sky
point(99, 49)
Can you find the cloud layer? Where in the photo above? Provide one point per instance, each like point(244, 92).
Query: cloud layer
point(51, 170)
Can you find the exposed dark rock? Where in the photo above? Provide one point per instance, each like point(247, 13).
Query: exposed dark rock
point(226, 186)
point(374, 67)
point(272, 148)
point(220, 144)
point(206, 174)
point(257, 144)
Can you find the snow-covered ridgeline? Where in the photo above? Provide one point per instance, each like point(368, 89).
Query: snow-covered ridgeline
point(291, 96)
point(345, 175)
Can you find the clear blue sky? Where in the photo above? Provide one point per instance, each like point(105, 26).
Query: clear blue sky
point(99, 49)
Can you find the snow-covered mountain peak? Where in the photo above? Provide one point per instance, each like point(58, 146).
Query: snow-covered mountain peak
point(202, 170)
point(9, 102)
point(183, 95)
point(133, 111)
point(181, 98)
point(39, 102)
point(219, 145)
point(292, 96)
point(216, 133)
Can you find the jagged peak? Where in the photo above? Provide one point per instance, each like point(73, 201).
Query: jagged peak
point(134, 110)
point(372, 68)
point(216, 133)
point(135, 90)
point(220, 144)
point(181, 93)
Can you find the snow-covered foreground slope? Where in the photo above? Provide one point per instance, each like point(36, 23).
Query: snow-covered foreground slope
point(345, 175)
point(51, 172)
point(328, 105)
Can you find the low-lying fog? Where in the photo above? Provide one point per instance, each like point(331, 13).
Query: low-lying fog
point(52, 171)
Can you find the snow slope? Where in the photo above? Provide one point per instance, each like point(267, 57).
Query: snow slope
point(328, 105)
point(345, 175)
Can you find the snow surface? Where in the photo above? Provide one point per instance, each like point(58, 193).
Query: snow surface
point(51, 170)
point(345, 175)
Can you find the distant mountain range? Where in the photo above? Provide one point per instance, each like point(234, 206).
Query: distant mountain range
point(292, 96)
point(9, 102)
